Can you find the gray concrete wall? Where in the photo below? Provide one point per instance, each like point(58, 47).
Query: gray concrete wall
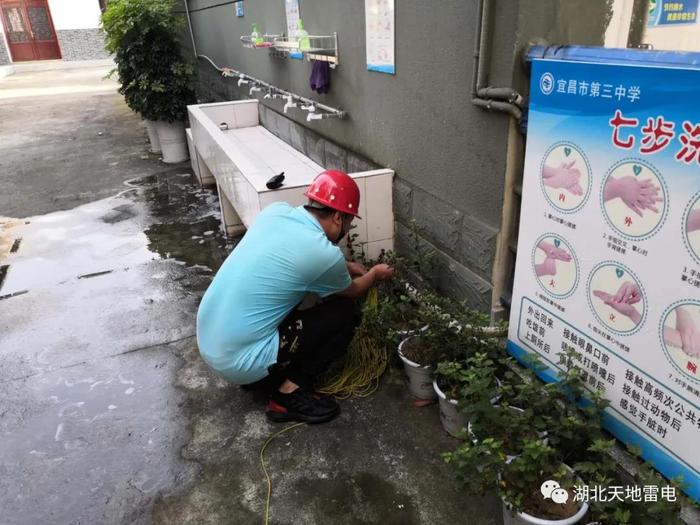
point(82, 44)
point(448, 155)
point(581, 22)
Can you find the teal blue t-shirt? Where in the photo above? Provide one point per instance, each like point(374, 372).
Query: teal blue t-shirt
point(284, 255)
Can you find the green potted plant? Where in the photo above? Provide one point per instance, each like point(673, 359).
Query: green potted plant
point(522, 481)
point(602, 470)
point(435, 336)
point(537, 488)
point(155, 79)
point(463, 385)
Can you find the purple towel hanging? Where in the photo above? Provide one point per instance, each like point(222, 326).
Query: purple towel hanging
point(320, 80)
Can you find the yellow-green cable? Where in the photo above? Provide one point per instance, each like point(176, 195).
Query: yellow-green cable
point(262, 463)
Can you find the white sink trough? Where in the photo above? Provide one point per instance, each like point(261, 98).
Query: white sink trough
point(233, 150)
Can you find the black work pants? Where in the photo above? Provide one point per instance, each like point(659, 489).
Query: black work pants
point(311, 339)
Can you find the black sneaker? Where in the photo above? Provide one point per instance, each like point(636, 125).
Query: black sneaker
point(327, 401)
point(302, 406)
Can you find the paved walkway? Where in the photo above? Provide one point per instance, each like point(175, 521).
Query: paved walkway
point(107, 413)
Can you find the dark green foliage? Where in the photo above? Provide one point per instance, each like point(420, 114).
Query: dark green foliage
point(155, 79)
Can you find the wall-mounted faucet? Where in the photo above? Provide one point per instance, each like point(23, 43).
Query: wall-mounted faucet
point(289, 103)
point(311, 108)
point(253, 89)
point(242, 81)
point(314, 116)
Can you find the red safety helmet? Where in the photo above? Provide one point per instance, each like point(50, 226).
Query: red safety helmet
point(337, 190)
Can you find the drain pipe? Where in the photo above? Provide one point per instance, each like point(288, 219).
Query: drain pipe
point(189, 25)
point(504, 99)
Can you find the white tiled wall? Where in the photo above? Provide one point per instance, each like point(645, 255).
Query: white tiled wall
point(380, 215)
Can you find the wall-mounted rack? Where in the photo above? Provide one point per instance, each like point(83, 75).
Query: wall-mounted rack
point(316, 110)
point(313, 47)
point(268, 41)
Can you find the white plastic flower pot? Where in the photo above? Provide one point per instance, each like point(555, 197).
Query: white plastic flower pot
point(418, 377)
point(522, 518)
point(173, 141)
point(152, 136)
point(453, 420)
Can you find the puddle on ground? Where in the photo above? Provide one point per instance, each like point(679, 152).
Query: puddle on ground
point(186, 220)
point(164, 216)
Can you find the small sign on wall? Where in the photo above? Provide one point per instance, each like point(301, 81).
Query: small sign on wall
point(239, 9)
point(379, 28)
point(291, 8)
point(665, 12)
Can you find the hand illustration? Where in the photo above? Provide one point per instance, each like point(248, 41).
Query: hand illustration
point(564, 176)
point(685, 336)
point(693, 223)
point(626, 309)
point(628, 293)
point(690, 335)
point(547, 267)
point(553, 254)
point(637, 194)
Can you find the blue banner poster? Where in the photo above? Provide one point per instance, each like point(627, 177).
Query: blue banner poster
point(669, 12)
point(609, 247)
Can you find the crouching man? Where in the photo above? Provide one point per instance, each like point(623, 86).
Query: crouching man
point(249, 327)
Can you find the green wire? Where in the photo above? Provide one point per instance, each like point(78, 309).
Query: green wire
point(267, 476)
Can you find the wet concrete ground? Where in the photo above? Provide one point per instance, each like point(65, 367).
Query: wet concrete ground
point(107, 413)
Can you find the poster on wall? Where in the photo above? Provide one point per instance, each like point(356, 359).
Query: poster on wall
point(379, 28)
point(609, 247)
point(672, 12)
point(291, 8)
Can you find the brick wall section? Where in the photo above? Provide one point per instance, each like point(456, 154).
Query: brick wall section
point(4, 52)
point(464, 246)
point(82, 44)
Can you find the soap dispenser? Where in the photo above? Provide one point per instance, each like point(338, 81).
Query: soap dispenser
point(302, 37)
point(255, 36)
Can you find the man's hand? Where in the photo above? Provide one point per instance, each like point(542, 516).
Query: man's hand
point(361, 284)
point(355, 269)
point(383, 272)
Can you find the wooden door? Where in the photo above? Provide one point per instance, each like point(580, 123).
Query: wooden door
point(29, 30)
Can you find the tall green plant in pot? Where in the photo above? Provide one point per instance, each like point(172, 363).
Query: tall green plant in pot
point(463, 385)
point(156, 80)
point(435, 337)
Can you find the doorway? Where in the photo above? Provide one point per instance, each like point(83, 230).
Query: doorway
point(29, 30)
